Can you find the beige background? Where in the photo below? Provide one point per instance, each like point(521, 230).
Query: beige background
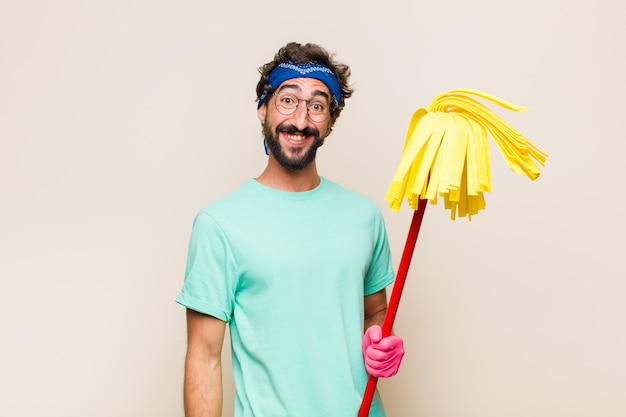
point(119, 119)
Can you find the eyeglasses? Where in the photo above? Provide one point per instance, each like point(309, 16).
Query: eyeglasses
point(318, 108)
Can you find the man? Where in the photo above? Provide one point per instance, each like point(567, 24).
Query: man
point(294, 263)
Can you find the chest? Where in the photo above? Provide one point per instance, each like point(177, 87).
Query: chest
point(300, 249)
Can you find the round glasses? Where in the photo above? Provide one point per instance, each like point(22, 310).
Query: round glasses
point(318, 108)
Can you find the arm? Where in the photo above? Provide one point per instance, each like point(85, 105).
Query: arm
point(203, 366)
point(375, 307)
point(382, 356)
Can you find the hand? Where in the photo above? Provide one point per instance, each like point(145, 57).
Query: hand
point(382, 355)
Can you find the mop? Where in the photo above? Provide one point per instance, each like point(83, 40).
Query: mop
point(446, 154)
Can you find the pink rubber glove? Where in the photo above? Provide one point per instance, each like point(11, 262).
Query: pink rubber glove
point(382, 356)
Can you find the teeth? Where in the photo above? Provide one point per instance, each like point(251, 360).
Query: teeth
point(296, 137)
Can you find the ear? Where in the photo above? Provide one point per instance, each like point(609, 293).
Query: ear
point(262, 112)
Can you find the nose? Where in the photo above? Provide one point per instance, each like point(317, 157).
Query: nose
point(300, 116)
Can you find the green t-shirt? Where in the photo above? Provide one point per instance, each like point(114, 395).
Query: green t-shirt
point(288, 272)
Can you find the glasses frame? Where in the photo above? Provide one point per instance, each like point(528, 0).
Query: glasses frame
point(325, 116)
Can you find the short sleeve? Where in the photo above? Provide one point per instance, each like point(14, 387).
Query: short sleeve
point(380, 273)
point(211, 273)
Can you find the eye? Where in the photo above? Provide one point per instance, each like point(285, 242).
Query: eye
point(288, 100)
point(317, 106)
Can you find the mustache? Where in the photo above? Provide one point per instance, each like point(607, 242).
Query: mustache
point(307, 131)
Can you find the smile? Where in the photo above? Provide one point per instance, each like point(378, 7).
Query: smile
point(297, 138)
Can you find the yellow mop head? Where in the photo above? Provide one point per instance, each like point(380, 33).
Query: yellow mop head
point(446, 153)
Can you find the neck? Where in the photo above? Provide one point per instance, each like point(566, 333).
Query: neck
point(281, 178)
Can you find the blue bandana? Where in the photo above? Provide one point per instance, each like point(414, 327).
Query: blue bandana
point(288, 70)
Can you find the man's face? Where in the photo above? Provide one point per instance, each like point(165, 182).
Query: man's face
point(293, 139)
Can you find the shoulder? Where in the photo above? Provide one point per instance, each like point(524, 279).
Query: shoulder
point(242, 207)
point(229, 201)
point(345, 195)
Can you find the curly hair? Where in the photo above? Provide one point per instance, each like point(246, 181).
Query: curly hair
point(302, 54)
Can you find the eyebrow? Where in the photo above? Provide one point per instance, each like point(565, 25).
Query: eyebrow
point(297, 87)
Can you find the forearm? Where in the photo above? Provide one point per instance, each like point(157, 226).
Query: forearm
point(377, 317)
point(203, 388)
point(374, 309)
point(382, 354)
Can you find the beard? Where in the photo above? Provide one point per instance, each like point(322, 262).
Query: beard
point(303, 157)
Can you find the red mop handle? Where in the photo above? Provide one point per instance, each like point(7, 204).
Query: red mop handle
point(396, 293)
